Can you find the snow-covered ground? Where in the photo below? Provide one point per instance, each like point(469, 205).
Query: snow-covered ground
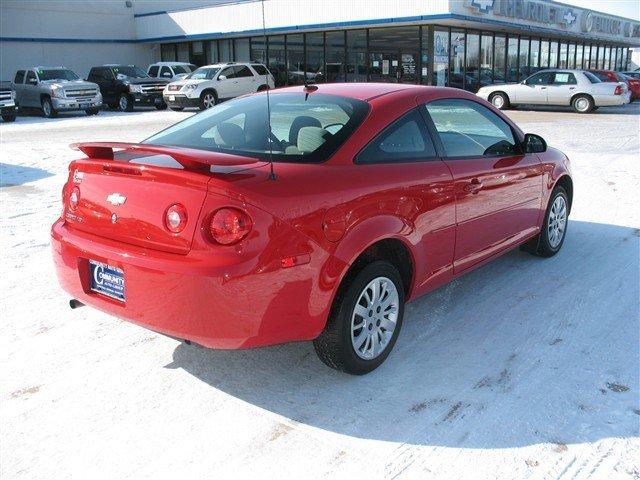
point(525, 368)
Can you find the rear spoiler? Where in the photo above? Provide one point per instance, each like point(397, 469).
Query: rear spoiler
point(190, 158)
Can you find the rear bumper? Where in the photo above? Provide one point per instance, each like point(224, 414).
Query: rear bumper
point(612, 100)
point(204, 299)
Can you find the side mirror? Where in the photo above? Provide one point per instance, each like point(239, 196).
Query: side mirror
point(533, 143)
point(222, 77)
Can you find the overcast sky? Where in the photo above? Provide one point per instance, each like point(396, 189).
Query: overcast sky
point(623, 8)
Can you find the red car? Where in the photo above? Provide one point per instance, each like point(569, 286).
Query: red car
point(633, 84)
point(308, 213)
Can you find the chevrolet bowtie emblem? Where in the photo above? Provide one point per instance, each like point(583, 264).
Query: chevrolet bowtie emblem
point(116, 199)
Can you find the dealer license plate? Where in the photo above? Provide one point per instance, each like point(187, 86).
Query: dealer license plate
point(107, 280)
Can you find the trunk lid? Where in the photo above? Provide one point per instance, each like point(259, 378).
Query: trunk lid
point(124, 196)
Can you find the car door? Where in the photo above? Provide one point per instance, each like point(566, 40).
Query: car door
point(562, 88)
point(498, 189)
point(31, 97)
point(534, 89)
point(246, 79)
point(227, 85)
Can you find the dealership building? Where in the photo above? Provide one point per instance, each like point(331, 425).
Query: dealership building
point(458, 43)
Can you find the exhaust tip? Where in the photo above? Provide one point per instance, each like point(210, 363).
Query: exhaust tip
point(73, 303)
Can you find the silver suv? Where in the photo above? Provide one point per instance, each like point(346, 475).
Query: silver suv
point(55, 89)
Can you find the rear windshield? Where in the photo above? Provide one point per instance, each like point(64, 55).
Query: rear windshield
point(56, 74)
point(304, 128)
point(592, 78)
point(204, 73)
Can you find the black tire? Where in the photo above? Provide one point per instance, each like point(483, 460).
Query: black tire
point(500, 100)
point(206, 97)
point(92, 111)
point(176, 109)
point(124, 103)
point(47, 108)
point(113, 106)
point(583, 104)
point(334, 345)
point(162, 106)
point(9, 118)
point(542, 245)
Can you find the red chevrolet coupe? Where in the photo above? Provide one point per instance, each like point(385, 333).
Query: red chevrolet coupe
point(308, 213)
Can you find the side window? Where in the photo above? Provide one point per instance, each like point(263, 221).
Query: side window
point(31, 75)
point(242, 71)
point(228, 72)
point(19, 78)
point(539, 79)
point(564, 78)
point(405, 140)
point(260, 69)
point(153, 71)
point(165, 72)
point(468, 129)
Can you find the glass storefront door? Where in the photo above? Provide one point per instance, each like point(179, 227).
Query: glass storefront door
point(394, 55)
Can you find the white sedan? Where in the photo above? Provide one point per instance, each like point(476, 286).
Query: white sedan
point(577, 88)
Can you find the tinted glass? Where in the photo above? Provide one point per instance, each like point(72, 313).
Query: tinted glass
point(543, 78)
point(153, 71)
point(242, 71)
point(57, 74)
point(31, 75)
point(178, 69)
point(304, 128)
point(19, 78)
point(468, 129)
point(592, 78)
point(228, 72)
point(129, 71)
point(404, 140)
point(165, 72)
point(260, 70)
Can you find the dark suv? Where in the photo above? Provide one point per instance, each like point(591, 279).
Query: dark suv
point(126, 86)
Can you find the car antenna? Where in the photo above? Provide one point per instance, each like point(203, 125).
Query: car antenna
point(272, 173)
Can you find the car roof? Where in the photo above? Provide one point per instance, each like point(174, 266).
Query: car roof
point(171, 63)
point(369, 91)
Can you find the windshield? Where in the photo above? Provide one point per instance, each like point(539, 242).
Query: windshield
point(204, 73)
point(304, 128)
point(129, 71)
point(57, 74)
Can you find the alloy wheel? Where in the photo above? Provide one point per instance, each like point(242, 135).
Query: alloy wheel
point(557, 223)
point(46, 108)
point(498, 101)
point(582, 104)
point(209, 100)
point(374, 318)
point(123, 103)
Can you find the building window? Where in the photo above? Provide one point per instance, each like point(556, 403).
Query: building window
point(472, 72)
point(277, 59)
point(335, 56)
point(579, 54)
point(486, 59)
point(356, 55)
point(523, 69)
point(183, 52)
point(259, 50)
point(426, 54)
point(562, 61)
point(571, 58)
point(534, 56)
point(440, 57)
point(198, 56)
point(553, 54)
point(512, 60)
point(242, 50)
point(544, 54)
point(499, 58)
point(315, 57)
point(168, 52)
point(295, 60)
point(586, 56)
point(456, 53)
point(394, 54)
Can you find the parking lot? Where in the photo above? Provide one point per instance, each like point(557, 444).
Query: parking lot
point(525, 368)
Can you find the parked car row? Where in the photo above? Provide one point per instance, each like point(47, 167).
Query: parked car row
point(583, 90)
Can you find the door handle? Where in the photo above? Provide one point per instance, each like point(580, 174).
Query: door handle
point(572, 88)
point(474, 186)
point(543, 88)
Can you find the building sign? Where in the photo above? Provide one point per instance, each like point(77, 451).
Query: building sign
point(527, 10)
point(550, 14)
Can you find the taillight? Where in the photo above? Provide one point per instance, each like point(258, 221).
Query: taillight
point(229, 226)
point(74, 198)
point(175, 218)
point(618, 90)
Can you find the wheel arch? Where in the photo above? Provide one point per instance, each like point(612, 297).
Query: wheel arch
point(582, 94)
point(566, 182)
point(493, 94)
